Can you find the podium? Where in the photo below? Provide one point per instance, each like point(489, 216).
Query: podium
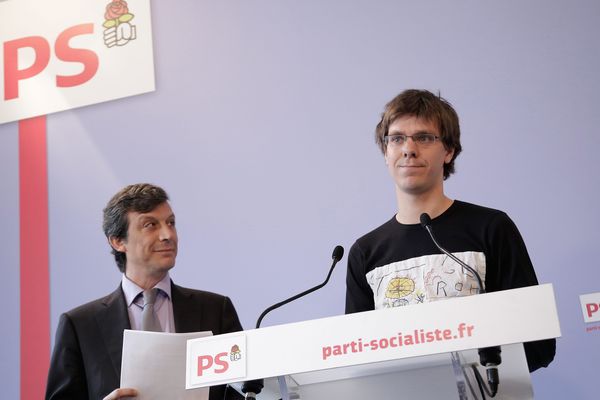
point(387, 354)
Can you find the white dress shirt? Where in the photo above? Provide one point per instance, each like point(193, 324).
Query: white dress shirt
point(163, 307)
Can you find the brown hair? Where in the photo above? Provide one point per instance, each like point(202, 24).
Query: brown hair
point(142, 198)
point(427, 106)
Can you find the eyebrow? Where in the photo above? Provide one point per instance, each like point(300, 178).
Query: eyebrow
point(397, 132)
point(144, 218)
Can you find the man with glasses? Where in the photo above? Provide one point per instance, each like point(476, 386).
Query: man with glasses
point(397, 264)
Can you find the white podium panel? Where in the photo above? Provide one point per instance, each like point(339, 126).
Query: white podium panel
point(406, 347)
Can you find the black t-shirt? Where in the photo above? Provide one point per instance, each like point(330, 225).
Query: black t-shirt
point(398, 264)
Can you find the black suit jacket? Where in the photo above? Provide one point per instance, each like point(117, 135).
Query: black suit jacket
point(86, 361)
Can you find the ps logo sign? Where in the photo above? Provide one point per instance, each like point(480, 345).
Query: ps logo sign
point(214, 360)
point(42, 51)
point(206, 362)
point(590, 307)
point(63, 54)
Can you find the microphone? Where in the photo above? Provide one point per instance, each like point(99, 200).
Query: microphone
point(252, 388)
point(489, 357)
point(426, 223)
point(337, 255)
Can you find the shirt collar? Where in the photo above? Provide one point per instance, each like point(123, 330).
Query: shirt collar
point(131, 290)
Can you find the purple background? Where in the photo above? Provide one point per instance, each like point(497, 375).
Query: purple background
point(261, 130)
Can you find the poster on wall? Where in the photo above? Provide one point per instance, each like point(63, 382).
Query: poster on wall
point(63, 54)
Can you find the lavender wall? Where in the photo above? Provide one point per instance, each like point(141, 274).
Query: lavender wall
point(9, 260)
point(261, 131)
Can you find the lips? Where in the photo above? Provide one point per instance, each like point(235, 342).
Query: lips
point(411, 166)
point(164, 250)
point(411, 169)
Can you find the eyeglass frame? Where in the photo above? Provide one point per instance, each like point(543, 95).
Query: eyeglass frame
point(414, 138)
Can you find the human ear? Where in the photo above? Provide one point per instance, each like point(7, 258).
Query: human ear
point(117, 243)
point(449, 155)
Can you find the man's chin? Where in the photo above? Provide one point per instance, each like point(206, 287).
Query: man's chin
point(167, 258)
point(411, 185)
point(165, 266)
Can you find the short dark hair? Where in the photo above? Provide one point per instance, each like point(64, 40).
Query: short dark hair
point(142, 198)
point(427, 106)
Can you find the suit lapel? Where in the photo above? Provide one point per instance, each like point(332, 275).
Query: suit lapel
point(113, 319)
point(187, 313)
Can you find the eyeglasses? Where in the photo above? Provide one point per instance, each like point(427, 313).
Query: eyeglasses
point(422, 139)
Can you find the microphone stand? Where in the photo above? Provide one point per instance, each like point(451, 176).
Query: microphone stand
point(489, 357)
point(254, 387)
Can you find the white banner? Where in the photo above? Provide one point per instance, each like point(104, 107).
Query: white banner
point(62, 54)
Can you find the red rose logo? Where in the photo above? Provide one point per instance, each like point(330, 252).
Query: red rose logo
point(119, 29)
point(115, 9)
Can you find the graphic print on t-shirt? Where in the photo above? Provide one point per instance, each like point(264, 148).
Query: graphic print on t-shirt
point(426, 278)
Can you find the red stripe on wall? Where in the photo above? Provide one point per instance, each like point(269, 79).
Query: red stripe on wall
point(35, 288)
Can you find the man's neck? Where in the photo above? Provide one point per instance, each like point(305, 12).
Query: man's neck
point(411, 206)
point(145, 282)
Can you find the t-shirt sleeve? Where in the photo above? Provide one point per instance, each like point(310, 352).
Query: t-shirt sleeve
point(514, 270)
point(359, 296)
point(513, 267)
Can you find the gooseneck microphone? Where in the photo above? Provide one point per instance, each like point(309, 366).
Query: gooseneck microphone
point(426, 223)
point(337, 255)
point(489, 357)
point(252, 388)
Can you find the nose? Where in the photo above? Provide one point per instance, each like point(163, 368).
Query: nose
point(409, 148)
point(167, 232)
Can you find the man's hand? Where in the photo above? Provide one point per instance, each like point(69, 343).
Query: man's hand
point(121, 393)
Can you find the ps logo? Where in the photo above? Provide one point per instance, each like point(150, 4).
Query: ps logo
point(590, 307)
point(215, 359)
point(219, 361)
point(13, 74)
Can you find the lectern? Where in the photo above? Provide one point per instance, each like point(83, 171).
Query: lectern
point(423, 350)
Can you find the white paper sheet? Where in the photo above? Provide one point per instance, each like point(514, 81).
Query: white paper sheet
point(154, 364)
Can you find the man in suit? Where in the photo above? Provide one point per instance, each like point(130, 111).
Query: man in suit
point(140, 227)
